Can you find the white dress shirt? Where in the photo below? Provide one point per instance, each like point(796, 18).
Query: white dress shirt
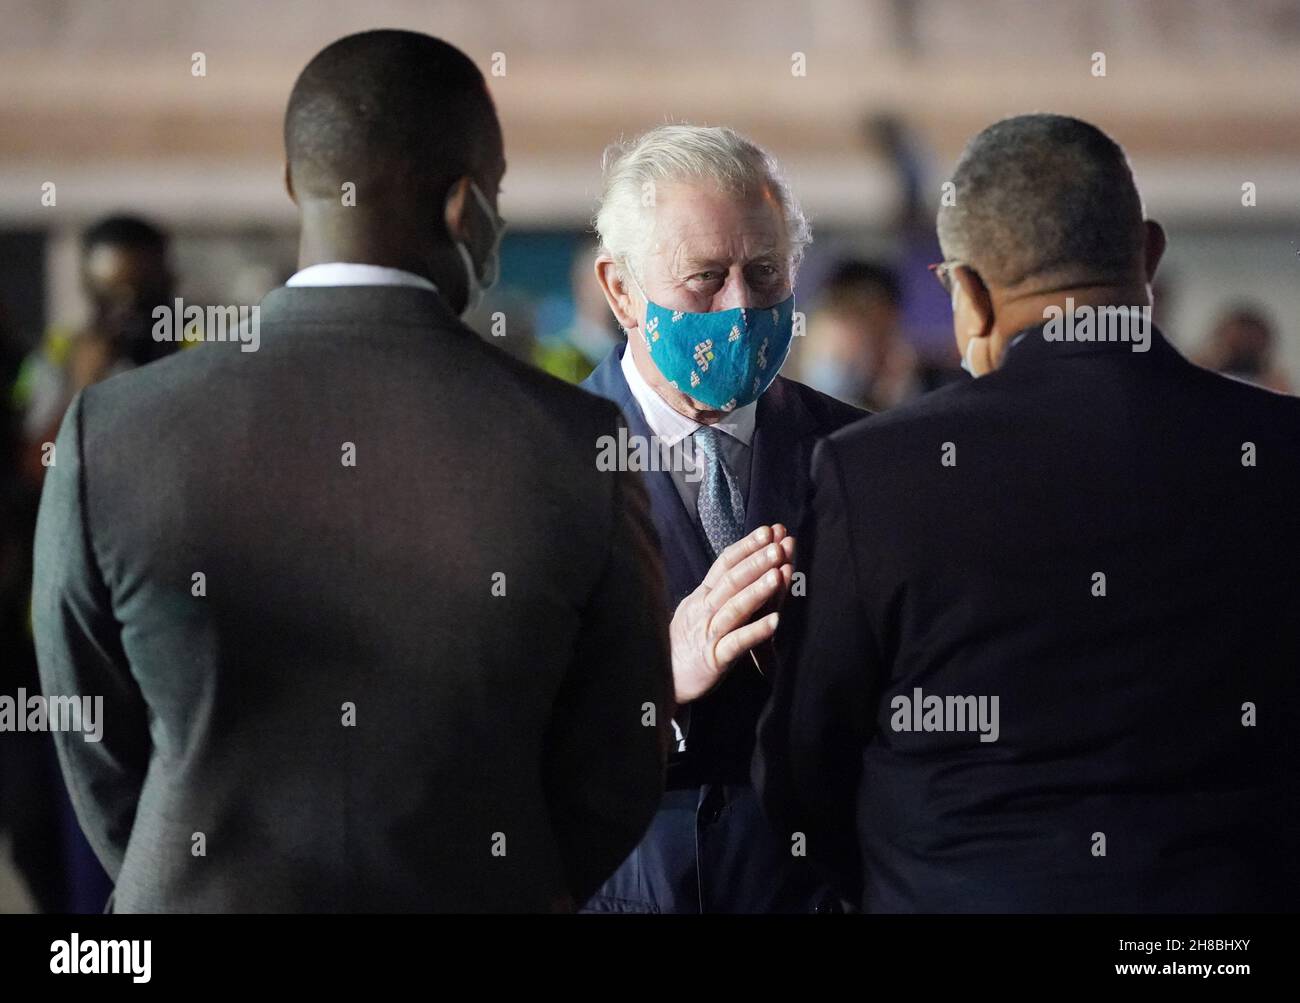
point(351, 273)
point(674, 430)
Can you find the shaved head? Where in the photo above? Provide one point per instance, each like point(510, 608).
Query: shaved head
point(389, 107)
point(1043, 198)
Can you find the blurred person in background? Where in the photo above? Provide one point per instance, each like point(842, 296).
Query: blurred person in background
point(906, 153)
point(1241, 345)
point(574, 351)
point(855, 350)
point(29, 846)
point(125, 274)
point(702, 283)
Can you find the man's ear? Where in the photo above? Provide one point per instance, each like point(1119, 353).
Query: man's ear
point(1154, 250)
point(454, 214)
point(288, 183)
point(619, 294)
point(972, 307)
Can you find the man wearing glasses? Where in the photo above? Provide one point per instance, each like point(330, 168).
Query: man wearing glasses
point(1047, 664)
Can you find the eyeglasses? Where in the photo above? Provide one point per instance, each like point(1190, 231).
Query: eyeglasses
point(943, 272)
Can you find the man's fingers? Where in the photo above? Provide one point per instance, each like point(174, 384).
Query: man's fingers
point(787, 579)
point(736, 553)
point(740, 577)
point(750, 636)
point(742, 607)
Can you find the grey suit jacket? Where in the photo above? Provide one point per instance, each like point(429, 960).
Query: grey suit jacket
point(417, 682)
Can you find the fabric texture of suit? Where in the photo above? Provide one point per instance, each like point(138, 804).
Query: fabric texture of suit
point(709, 848)
point(1146, 756)
point(479, 599)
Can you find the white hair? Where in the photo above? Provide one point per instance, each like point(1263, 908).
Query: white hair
point(632, 170)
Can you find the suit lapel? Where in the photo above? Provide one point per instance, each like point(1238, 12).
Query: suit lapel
point(784, 435)
point(685, 551)
point(782, 449)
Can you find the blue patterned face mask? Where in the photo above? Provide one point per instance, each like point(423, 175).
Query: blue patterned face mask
point(724, 359)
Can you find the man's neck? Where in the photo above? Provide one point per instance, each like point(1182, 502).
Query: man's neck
point(331, 233)
point(312, 250)
point(1018, 312)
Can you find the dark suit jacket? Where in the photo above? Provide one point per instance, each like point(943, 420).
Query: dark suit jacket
point(709, 849)
point(1122, 716)
point(498, 760)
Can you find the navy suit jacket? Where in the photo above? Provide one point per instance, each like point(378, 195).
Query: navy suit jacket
point(1128, 773)
point(709, 848)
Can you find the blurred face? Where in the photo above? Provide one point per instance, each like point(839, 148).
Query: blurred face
point(874, 325)
point(1245, 345)
point(124, 284)
point(588, 296)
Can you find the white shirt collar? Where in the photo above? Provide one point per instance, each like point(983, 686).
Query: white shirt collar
point(350, 273)
point(672, 427)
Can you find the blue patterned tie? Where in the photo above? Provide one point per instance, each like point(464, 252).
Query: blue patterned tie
point(721, 507)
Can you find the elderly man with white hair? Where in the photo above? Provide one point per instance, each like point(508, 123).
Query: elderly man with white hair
point(700, 242)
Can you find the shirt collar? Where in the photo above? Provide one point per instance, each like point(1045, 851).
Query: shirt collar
point(1032, 342)
point(350, 273)
point(670, 426)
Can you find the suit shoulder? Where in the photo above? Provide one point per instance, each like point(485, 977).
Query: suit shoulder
point(1249, 395)
point(567, 403)
point(936, 406)
point(141, 389)
point(828, 413)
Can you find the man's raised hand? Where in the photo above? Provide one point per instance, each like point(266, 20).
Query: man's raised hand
point(715, 625)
